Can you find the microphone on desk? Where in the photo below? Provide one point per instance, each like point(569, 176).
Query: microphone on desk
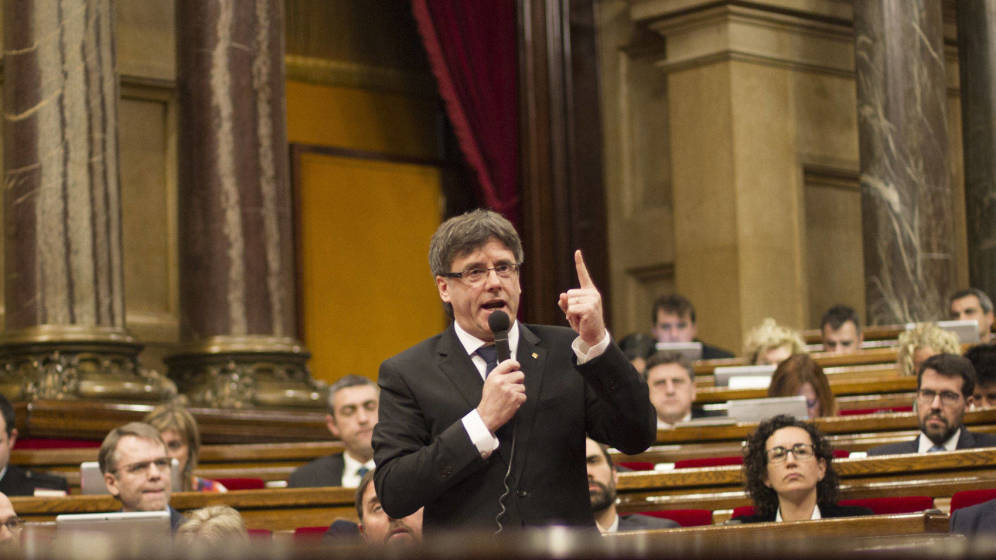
point(499, 323)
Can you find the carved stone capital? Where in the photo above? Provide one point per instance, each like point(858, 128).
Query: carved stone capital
point(246, 372)
point(66, 362)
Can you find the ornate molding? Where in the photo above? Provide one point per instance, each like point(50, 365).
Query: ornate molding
point(246, 372)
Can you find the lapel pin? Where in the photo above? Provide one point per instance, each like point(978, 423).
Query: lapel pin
point(535, 355)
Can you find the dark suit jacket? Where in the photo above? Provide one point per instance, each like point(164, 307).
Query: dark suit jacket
point(175, 519)
point(637, 522)
point(826, 512)
point(20, 482)
point(425, 458)
point(323, 471)
point(714, 352)
point(980, 518)
point(967, 440)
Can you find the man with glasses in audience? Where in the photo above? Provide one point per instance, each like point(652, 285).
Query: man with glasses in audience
point(484, 443)
point(945, 386)
point(136, 469)
point(10, 527)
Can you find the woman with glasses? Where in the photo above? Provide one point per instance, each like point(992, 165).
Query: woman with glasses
point(788, 472)
point(800, 375)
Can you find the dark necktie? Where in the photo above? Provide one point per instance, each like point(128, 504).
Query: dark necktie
point(490, 355)
point(936, 448)
point(362, 471)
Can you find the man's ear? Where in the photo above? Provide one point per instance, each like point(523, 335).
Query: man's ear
point(330, 424)
point(112, 484)
point(12, 438)
point(444, 289)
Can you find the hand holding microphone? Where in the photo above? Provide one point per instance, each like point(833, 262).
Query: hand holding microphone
point(504, 389)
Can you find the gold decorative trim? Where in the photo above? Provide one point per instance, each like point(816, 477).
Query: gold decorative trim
point(67, 334)
point(252, 344)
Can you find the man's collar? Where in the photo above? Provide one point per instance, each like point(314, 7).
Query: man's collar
point(951, 444)
point(471, 343)
point(351, 464)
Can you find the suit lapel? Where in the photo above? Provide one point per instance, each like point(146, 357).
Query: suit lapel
point(532, 357)
point(456, 365)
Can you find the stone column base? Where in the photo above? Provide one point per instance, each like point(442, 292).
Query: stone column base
point(246, 372)
point(68, 362)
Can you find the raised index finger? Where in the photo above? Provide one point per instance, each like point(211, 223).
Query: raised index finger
point(583, 278)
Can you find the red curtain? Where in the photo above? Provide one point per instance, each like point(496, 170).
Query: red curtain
point(472, 49)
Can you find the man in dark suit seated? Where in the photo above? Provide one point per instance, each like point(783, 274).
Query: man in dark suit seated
point(602, 480)
point(674, 321)
point(671, 382)
point(493, 444)
point(351, 417)
point(945, 385)
point(15, 481)
point(972, 520)
point(137, 468)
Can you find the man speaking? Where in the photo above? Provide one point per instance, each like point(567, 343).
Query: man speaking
point(492, 443)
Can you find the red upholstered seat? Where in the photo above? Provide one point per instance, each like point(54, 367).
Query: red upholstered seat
point(967, 498)
point(242, 483)
point(708, 462)
point(306, 533)
point(899, 504)
point(856, 411)
point(841, 454)
point(636, 465)
point(684, 517)
point(742, 511)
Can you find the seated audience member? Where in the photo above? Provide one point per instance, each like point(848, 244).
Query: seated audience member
point(674, 321)
point(136, 469)
point(602, 481)
point(770, 343)
point(671, 382)
point(972, 303)
point(376, 527)
point(213, 525)
point(351, 417)
point(840, 329)
point(10, 527)
point(921, 342)
point(800, 375)
point(983, 358)
point(15, 481)
point(638, 347)
point(183, 442)
point(945, 385)
point(975, 520)
point(789, 474)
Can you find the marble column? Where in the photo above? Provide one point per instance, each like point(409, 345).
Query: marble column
point(976, 57)
point(238, 315)
point(909, 245)
point(64, 318)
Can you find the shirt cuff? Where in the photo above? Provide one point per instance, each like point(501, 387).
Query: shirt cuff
point(587, 353)
point(480, 436)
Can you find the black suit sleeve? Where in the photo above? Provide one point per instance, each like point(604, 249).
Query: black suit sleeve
point(618, 404)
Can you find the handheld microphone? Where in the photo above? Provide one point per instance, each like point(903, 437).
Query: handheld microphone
point(499, 323)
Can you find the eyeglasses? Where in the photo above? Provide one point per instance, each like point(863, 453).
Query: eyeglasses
point(948, 398)
point(13, 524)
point(162, 463)
point(801, 451)
point(473, 275)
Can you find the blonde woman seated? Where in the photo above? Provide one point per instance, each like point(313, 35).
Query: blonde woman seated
point(788, 472)
point(921, 342)
point(213, 525)
point(770, 343)
point(183, 442)
point(800, 375)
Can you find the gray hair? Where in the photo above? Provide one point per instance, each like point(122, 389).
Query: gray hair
point(463, 234)
point(346, 382)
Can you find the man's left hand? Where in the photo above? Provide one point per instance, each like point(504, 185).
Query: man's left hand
point(583, 306)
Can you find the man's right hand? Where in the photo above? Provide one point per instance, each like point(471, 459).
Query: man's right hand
point(504, 392)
